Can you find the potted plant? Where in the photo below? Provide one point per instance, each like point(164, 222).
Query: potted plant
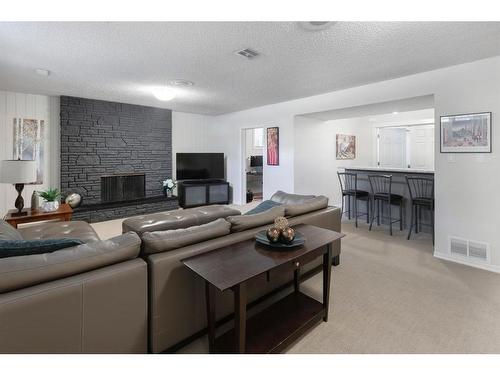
point(168, 187)
point(51, 200)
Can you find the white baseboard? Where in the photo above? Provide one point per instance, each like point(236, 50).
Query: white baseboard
point(483, 266)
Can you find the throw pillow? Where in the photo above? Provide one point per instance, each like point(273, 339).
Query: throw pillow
point(15, 248)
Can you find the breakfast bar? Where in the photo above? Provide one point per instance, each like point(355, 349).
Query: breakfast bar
point(399, 186)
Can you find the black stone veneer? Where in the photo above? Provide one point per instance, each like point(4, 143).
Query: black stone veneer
point(106, 212)
point(104, 138)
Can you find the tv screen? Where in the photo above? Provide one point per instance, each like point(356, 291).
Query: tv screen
point(200, 166)
point(256, 161)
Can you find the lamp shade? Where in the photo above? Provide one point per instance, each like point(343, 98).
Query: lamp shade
point(17, 171)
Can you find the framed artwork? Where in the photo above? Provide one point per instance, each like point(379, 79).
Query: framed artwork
point(469, 133)
point(28, 143)
point(346, 147)
point(273, 146)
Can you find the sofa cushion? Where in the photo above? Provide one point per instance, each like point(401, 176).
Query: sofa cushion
point(22, 271)
point(79, 230)
point(313, 204)
point(263, 206)
point(8, 232)
point(286, 198)
point(176, 219)
point(159, 241)
point(14, 248)
point(243, 222)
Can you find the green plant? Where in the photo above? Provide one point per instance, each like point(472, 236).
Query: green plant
point(50, 195)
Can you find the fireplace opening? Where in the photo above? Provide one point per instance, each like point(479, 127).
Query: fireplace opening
point(123, 187)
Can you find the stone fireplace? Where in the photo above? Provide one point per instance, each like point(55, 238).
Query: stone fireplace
point(115, 155)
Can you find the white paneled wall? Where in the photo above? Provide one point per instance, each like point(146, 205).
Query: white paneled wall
point(18, 105)
point(191, 133)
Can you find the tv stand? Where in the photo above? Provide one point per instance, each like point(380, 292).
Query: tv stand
point(194, 193)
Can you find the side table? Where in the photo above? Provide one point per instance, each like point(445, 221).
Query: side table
point(64, 212)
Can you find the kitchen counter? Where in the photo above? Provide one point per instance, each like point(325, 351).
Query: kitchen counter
point(390, 170)
point(399, 186)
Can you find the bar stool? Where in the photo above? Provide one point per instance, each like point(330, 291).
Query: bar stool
point(422, 196)
point(349, 187)
point(381, 186)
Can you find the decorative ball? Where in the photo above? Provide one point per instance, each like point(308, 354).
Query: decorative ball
point(281, 222)
point(273, 234)
point(74, 200)
point(287, 235)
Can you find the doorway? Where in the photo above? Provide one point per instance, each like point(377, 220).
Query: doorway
point(253, 151)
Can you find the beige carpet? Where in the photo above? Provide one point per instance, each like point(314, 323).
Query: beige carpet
point(390, 295)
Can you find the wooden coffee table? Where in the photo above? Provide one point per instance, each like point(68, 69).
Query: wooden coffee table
point(274, 328)
point(64, 212)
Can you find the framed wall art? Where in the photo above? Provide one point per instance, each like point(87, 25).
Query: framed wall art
point(469, 133)
point(273, 146)
point(345, 147)
point(28, 143)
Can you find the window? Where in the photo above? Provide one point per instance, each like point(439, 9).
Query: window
point(258, 138)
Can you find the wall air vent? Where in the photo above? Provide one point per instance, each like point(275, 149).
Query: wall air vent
point(247, 53)
point(474, 250)
point(458, 247)
point(478, 251)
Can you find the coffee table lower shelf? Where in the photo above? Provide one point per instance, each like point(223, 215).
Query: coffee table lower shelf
point(277, 326)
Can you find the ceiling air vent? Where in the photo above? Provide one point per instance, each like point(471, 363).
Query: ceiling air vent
point(248, 53)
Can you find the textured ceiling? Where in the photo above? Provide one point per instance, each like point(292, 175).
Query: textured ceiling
point(123, 61)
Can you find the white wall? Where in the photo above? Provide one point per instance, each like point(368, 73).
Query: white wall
point(315, 164)
point(18, 105)
point(191, 133)
point(467, 202)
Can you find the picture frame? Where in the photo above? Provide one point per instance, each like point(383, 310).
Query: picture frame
point(28, 143)
point(465, 133)
point(345, 147)
point(273, 146)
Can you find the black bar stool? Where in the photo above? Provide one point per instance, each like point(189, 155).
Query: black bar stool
point(422, 196)
point(349, 187)
point(381, 186)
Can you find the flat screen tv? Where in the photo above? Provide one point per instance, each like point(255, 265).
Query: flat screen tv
point(256, 161)
point(200, 166)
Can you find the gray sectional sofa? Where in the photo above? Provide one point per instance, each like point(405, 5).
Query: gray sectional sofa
point(132, 294)
point(90, 298)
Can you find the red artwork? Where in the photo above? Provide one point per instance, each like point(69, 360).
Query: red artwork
point(273, 155)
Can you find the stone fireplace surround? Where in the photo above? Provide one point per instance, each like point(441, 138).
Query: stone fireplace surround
point(100, 138)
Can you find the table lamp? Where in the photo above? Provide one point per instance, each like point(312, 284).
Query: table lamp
point(18, 172)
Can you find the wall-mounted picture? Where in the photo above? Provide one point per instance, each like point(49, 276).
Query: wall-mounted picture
point(346, 147)
point(273, 146)
point(466, 133)
point(28, 143)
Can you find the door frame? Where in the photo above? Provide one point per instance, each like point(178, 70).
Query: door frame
point(243, 149)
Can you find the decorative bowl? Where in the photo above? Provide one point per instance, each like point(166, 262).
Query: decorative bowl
point(261, 237)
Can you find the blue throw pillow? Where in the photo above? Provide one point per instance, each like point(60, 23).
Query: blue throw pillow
point(263, 206)
point(15, 248)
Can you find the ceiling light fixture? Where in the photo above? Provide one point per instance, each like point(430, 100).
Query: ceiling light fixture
point(42, 72)
point(181, 83)
point(164, 93)
point(316, 25)
point(395, 112)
